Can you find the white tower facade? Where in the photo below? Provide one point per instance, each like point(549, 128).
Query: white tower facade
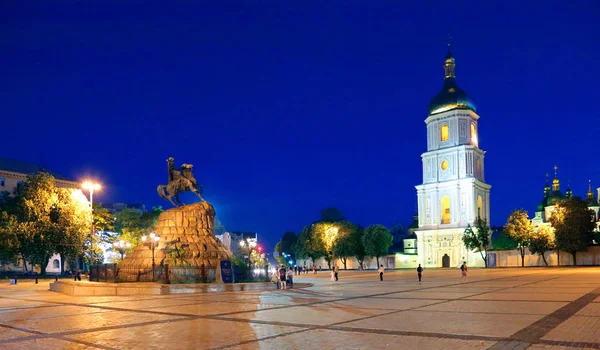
point(453, 193)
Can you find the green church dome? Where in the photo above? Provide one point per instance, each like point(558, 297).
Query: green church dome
point(451, 96)
point(555, 197)
point(542, 204)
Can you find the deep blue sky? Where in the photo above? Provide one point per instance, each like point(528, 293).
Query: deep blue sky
point(285, 110)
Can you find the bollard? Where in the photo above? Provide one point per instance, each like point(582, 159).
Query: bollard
point(15, 279)
point(36, 281)
point(74, 277)
point(56, 278)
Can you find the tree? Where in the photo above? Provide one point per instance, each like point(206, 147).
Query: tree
point(326, 232)
point(309, 245)
point(479, 239)
point(9, 241)
point(541, 242)
point(49, 219)
point(359, 248)
point(131, 225)
point(331, 214)
point(286, 245)
point(377, 240)
point(573, 226)
point(346, 243)
point(519, 229)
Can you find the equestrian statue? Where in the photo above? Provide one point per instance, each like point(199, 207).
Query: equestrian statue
point(179, 181)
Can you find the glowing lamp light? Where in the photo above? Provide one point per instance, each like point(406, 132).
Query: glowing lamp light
point(89, 185)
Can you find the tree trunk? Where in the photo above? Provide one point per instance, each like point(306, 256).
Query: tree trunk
point(522, 257)
point(558, 257)
point(574, 258)
point(484, 257)
point(62, 263)
point(377, 262)
point(344, 262)
point(544, 258)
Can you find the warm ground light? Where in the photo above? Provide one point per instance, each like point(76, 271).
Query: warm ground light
point(534, 308)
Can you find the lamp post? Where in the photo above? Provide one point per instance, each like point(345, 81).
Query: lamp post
point(248, 245)
point(152, 243)
point(91, 187)
point(122, 246)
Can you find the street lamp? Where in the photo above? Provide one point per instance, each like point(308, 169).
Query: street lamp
point(249, 245)
point(91, 187)
point(122, 246)
point(152, 243)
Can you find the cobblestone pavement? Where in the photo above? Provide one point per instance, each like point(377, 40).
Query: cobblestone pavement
point(529, 308)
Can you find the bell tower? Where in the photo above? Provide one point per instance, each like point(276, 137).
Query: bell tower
point(453, 193)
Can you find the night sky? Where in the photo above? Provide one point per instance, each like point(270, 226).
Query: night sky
point(286, 110)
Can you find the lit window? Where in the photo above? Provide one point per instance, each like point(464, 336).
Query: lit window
point(479, 206)
point(56, 264)
point(444, 133)
point(474, 135)
point(445, 165)
point(445, 210)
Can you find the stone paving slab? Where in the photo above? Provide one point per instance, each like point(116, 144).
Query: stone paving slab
point(46, 312)
point(193, 334)
point(528, 296)
point(8, 333)
point(448, 323)
point(44, 344)
point(577, 328)
point(497, 307)
point(86, 321)
point(326, 339)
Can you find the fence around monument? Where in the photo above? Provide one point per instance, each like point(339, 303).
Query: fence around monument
point(112, 273)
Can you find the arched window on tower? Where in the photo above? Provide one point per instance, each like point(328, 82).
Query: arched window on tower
point(445, 204)
point(479, 207)
point(56, 264)
point(444, 133)
point(474, 139)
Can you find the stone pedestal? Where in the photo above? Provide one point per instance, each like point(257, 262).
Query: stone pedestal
point(187, 243)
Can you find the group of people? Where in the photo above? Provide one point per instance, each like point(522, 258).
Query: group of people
point(463, 272)
point(283, 277)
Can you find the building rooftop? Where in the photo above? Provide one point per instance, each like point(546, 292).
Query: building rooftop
point(17, 166)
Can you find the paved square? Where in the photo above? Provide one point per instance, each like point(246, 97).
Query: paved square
point(528, 308)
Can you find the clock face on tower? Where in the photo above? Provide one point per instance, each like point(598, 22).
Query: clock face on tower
point(444, 165)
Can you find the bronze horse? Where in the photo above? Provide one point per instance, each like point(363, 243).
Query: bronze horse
point(179, 182)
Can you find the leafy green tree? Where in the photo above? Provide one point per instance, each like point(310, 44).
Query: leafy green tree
point(478, 240)
point(541, 242)
point(346, 242)
point(331, 214)
point(503, 242)
point(519, 229)
point(359, 247)
point(573, 226)
point(309, 245)
point(286, 245)
point(377, 240)
point(131, 225)
point(50, 219)
point(9, 241)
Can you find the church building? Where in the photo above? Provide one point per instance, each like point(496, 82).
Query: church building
point(454, 192)
point(553, 195)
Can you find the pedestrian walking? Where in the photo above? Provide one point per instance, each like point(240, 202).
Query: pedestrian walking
point(290, 278)
point(381, 269)
point(419, 272)
point(336, 270)
point(282, 277)
point(332, 276)
point(463, 272)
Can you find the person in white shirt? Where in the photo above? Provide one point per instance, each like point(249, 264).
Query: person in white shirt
point(290, 277)
point(381, 272)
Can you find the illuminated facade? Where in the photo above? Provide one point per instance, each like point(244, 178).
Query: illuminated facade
point(553, 195)
point(453, 193)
